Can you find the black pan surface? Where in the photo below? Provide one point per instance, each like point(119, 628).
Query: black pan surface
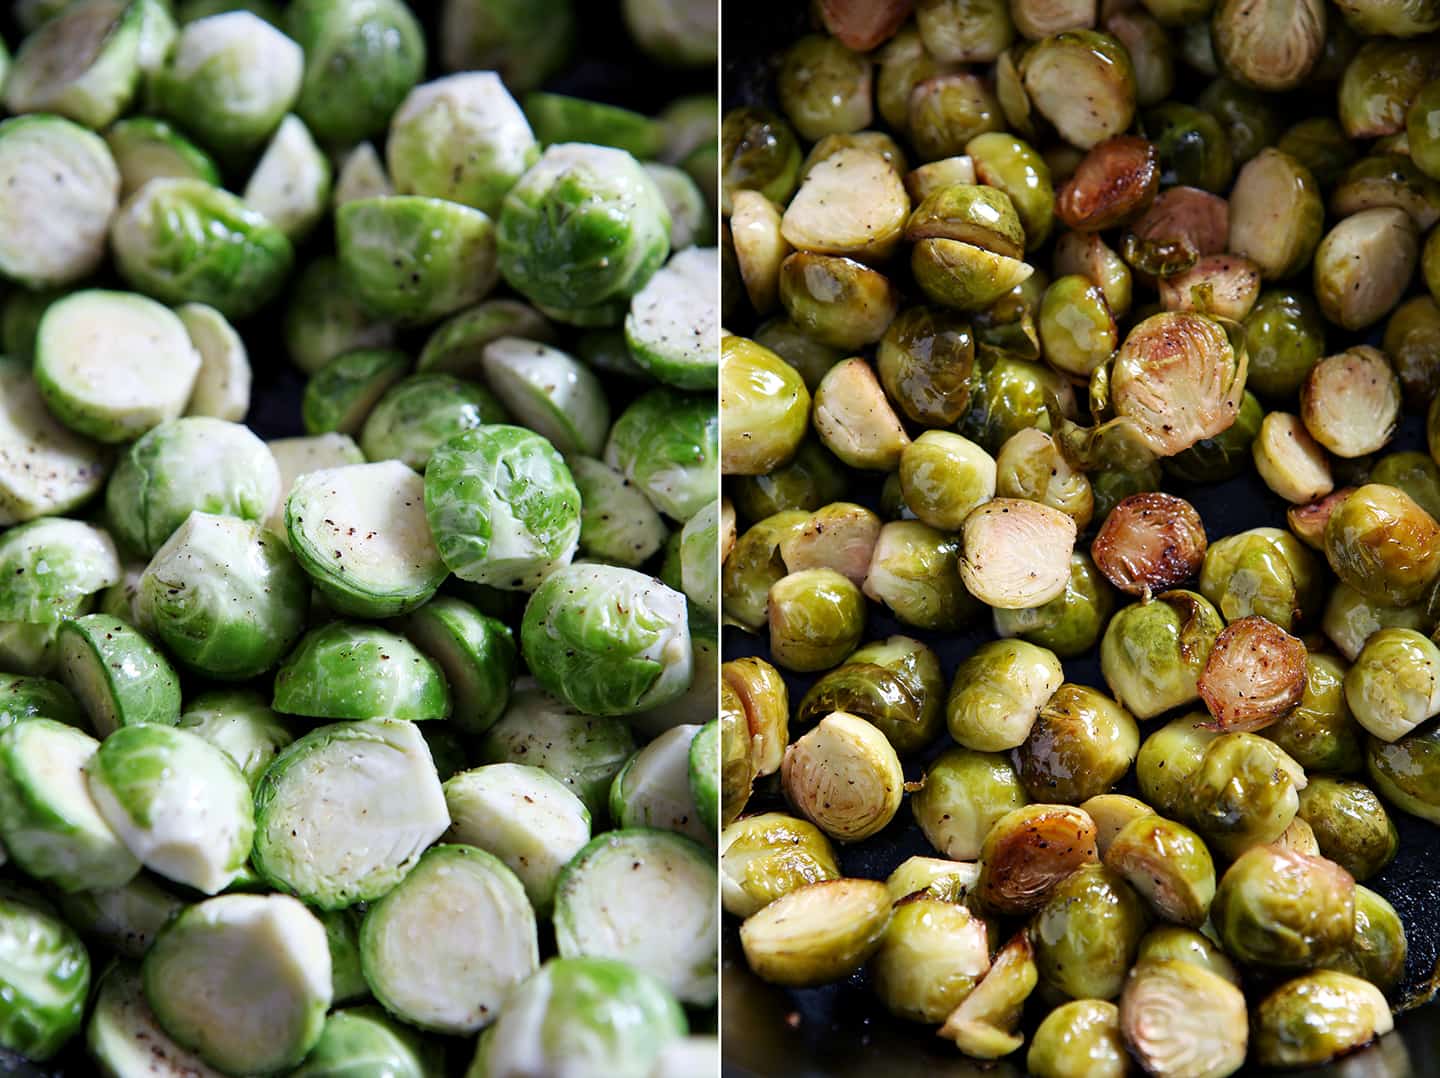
point(841, 1029)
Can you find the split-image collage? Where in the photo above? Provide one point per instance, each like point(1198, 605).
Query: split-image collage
point(719, 538)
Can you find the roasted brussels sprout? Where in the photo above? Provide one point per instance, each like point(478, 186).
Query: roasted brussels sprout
point(767, 408)
point(1281, 910)
point(1153, 652)
point(1350, 825)
point(1079, 1039)
point(817, 933)
point(1394, 684)
point(759, 152)
point(1079, 746)
point(1016, 553)
point(838, 301)
point(961, 797)
point(915, 572)
point(998, 692)
point(896, 684)
point(1086, 934)
point(844, 776)
point(1180, 1018)
point(1149, 542)
point(1383, 545)
point(765, 857)
point(1320, 733)
point(1028, 852)
point(1377, 949)
point(932, 956)
point(1341, 388)
point(985, 1025)
point(1314, 1018)
point(1083, 83)
point(824, 87)
point(925, 361)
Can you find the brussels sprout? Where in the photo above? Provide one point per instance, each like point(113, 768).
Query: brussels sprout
point(1079, 1039)
point(30, 648)
point(1383, 545)
point(1249, 119)
point(1182, 225)
point(1070, 623)
point(1241, 793)
point(664, 443)
point(934, 877)
point(764, 857)
point(51, 565)
point(1410, 342)
point(119, 678)
point(1351, 619)
point(83, 64)
point(754, 566)
point(1269, 46)
point(1255, 674)
point(985, 1025)
point(817, 933)
point(1153, 652)
point(1402, 770)
point(415, 415)
point(1192, 146)
point(1081, 744)
point(914, 573)
point(1149, 542)
point(759, 153)
point(1077, 330)
point(816, 618)
point(1392, 688)
point(347, 670)
point(998, 692)
point(992, 564)
point(1028, 852)
point(1387, 179)
point(1314, 1018)
point(141, 778)
point(1009, 395)
point(824, 87)
point(617, 523)
point(964, 31)
point(672, 328)
point(1224, 286)
point(51, 827)
point(764, 700)
point(239, 724)
point(124, 1036)
point(1320, 146)
point(963, 794)
point(1359, 380)
point(1377, 949)
point(1289, 460)
point(46, 978)
point(1012, 165)
point(1170, 758)
point(563, 245)
point(1086, 934)
point(850, 203)
point(760, 248)
point(1168, 941)
point(1282, 910)
point(854, 420)
point(1380, 82)
point(1413, 472)
point(222, 385)
point(837, 301)
point(963, 275)
point(1350, 824)
point(1355, 285)
point(67, 241)
point(844, 776)
point(925, 361)
point(360, 174)
point(230, 80)
point(183, 240)
point(1083, 83)
point(893, 684)
point(224, 596)
point(768, 406)
point(1284, 338)
point(932, 956)
point(1114, 182)
point(1168, 865)
point(363, 1036)
point(23, 697)
point(341, 395)
point(944, 476)
point(607, 661)
point(839, 536)
point(1177, 1017)
point(1320, 733)
point(737, 761)
point(1392, 20)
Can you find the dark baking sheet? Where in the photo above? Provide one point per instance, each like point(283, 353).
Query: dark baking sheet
point(842, 1029)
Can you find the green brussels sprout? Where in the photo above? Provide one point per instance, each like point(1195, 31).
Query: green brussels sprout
point(1077, 330)
point(665, 443)
point(186, 241)
point(914, 573)
point(617, 523)
point(817, 933)
point(1087, 933)
point(1320, 734)
point(230, 80)
point(816, 618)
point(1193, 147)
point(361, 59)
point(367, 1036)
point(50, 566)
point(999, 692)
point(23, 697)
point(825, 88)
point(607, 640)
point(674, 32)
point(341, 394)
point(767, 404)
point(1069, 624)
point(813, 478)
point(1012, 165)
point(1390, 20)
point(457, 345)
point(1008, 395)
point(1413, 472)
point(803, 352)
point(895, 684)
point(1351, 619)
point(755, 566)
point(986, 1024)
point(1167, 941)
point(1387, 179)
point(854, 420)
point(1081, 744)
point(224, 596)
point(1242, 793)
point(1380, 82)
point(46, 979)
point(1281, 910)
point(962, 796)
point(931, 957)
point(843, 776)
point(1167, 864)
point(525, 42)
point(815, 220)
point(963, 275)
point(1383, 545)
point(764, 700)
point(188, 11)
point(290, 185)
point(1170, 758)
point(118, 676)
point(550, 392)
point(759, 152)
point(563, 245)
point(1377, 949)
point(1079, 1039)
point(1248, 118)
point(124, 1035)
point(935, 877)
point(188, 465)
point(1153, 652)
point(764, 857)
point(83, 64)
point(1083, 83)
point(1411, 338)
point(1175, 1014)
point(1360, 379)
point(1111, 486)
point(348, 670)
point(417, 414)
point(1320, 146)
point(1263, 571)
point(943, 476)
point(238, 722)
point(461, 138)
point(1031, 466)
point(136, 776)
point(449, 257)
point(1350, 825)
point(30, 648)
point(838, 301)
point(1392, 687)
point(325, 320)
point(1315, 1018)
point(925, 361)
point(737, 763)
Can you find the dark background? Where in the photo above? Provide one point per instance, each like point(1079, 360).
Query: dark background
point(842, 1029)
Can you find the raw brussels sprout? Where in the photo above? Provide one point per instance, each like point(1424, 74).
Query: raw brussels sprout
point(1029, 852)
point(825, 88)
point(999, 692)
point(665, 443)
point(46, 978)
point(230, 80)
point(224, 596)
point(1081, 744)
point(932, 955)
point(1383, 545)
point(1168, 865)
point(123, 1034)
point(1320, 733)
point(1281, 910)
point(1377, 949)
point(348, 670)
point(962, 796)
point(1178, 1017)
point(367, 1036)
point(51, 565)
point(142, 779)
point(194, 464)
point(457, 345)
point(1350, 824)
point(361, 58)
point(239, 724)
point(563, 245)
point(992, 564)
point(417, 414)
point(1069, 624)
point(1086, 934)
point(608, 640)
point(325, 320)
point(23, 697)
point(617, 523)
point(186, 241)
point(83, 64)
point(45, 467)
point(67, 241)
point(894, 684)
point(816, 618)
point(118, 676)
point(1394, 685)
point(291, 182)
point(844, 776)
point(817, 933)
point(342, 394)
point(1079, 1039)
point(525, 42)
point(1314, 1018)
point(1153, 652)
point(767, 405)
point(448, 260)
point(1083, 83)
point(764, 857)
point(222, 385)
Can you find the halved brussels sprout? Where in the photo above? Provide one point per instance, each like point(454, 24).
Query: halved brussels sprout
point(1168, 864)
point(1339, 389)
point(1282, 910)
point(325, 320)
point(1168, 941)
point(764, 857)
point(925, 361)
point(239, 723)
point(1272, 45)
point(851, 203)
point(1115, 182)
point(986, 1024)
point(1317, 1017)
point(1290, 461)
point(1180, 1018)
point(1225, 286)
point(934, 877)
point(1380, 81)
point(963, 275)
point(946, 110)
point(914, 572)
point(83, 64)
point(839, 536)
point(1086, 934)
point(1012, 165)
point(1170, 758)
point(46, 978)
point(1087, 254)
point(1182, 225)
point(350, 670)
point(1032, 466)
point(1153, 652)
point(1242, 793)
point(844, 777)
point(838, 301)
point(1350, 824)
point(1016, 553)
point(665, 443)
point(51, 565)
point(1364, 264)
point(1192, 146)
point(933, 954)
point(118, 676)
point(1254, 676)
point(1213, 460)
point(45, 467)
point(1083, 83)
point(1412, 341)
point(1149, 542)
point(1377, 949)
point(818, 932)
point(1382, 544)
point(1028, 852)
point(1275, 214)
point(855, 421)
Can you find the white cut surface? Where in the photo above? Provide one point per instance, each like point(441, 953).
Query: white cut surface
point(222, 386)
point(45, 468)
